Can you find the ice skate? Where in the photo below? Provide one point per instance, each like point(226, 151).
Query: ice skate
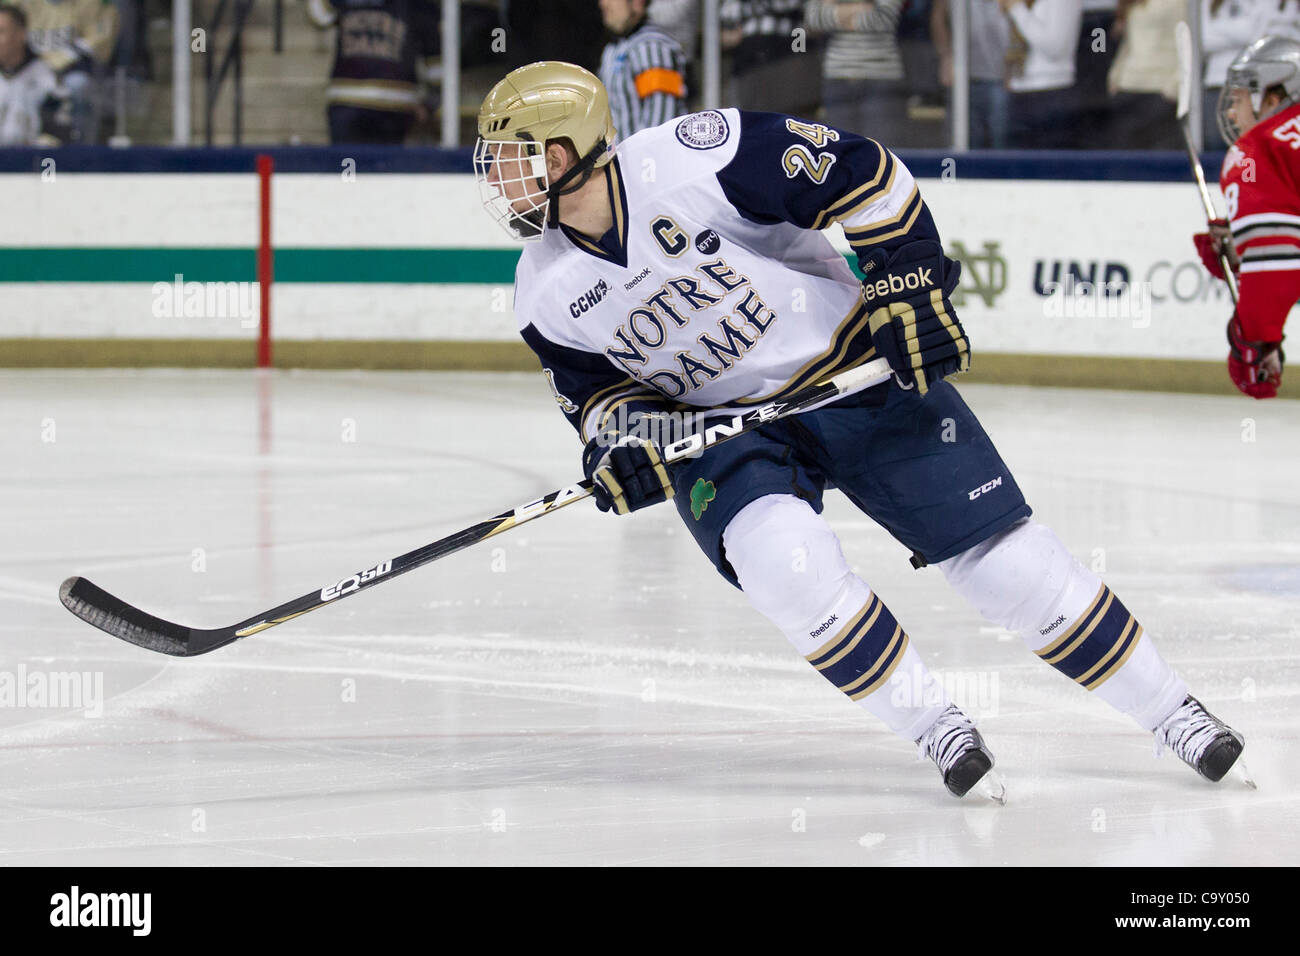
point(958, 750)
point(1202, 741)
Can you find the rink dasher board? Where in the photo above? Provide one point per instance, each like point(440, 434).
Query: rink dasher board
point(400, 240)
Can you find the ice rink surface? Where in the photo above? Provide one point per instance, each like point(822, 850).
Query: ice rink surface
point(585, 689)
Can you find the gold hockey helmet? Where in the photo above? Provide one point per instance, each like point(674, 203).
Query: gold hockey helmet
point(531, 106)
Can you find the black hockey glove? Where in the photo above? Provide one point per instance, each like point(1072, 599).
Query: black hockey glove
point(628, 476)
point(913, 324)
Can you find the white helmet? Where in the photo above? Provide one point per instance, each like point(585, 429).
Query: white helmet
point(1268, 62)
point(531, 106)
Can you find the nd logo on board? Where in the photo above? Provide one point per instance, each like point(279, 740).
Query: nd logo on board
point(983, 274)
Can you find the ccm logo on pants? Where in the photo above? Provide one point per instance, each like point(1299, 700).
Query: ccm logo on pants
point(987, 486)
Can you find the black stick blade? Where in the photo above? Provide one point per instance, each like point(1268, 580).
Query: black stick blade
point(114, 616)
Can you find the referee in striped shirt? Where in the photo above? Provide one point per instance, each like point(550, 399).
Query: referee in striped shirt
point(642, 67)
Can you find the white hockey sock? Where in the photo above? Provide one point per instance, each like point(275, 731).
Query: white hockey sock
point(791, 567)
point(1025, 580)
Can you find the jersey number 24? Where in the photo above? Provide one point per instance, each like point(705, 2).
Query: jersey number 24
point(799, 159)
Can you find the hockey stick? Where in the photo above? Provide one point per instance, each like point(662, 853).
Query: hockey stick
point(96, 606)
point(1183, 42)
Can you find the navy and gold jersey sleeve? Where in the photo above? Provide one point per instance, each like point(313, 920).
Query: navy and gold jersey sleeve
point(812, 175)
point(594, 395)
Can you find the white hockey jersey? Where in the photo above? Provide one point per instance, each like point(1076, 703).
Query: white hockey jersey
point(715, 287)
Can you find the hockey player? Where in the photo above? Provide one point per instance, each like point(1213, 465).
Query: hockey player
point(1259, 117)
point(685, 270)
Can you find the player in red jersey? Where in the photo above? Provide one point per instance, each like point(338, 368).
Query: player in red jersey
point(1259, 115)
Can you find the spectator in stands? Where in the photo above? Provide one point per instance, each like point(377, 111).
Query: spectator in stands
point(26, 82)
point(1227, 28)
point(127, 72)
point(1041, 71)
point(990, 36)
point(863, 87)
point(1143, 80)
point(1094, 56)
point(75, 37)
point(373, 95)
point(643, 68)
point(927, 100)
point(768, 71)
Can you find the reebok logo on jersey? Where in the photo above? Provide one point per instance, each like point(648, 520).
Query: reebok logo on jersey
point(1053, 626)
point(984, 488)
point(589, 299)
point(918, 278)
point(825, 627)
point(636, 278)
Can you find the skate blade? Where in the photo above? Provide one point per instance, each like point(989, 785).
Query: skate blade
point(991, 786)
point(1242, 773)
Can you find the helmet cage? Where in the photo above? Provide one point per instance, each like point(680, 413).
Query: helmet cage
point(1228, 127)
point(509, 162)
